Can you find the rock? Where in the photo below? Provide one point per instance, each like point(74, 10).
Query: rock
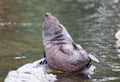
point(31, 72)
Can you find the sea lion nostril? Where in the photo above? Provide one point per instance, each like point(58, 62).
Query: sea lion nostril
point(46, 14)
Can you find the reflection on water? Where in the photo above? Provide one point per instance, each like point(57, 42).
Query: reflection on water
point(91, 23)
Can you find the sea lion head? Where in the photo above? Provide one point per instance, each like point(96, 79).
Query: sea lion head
point(51, 27)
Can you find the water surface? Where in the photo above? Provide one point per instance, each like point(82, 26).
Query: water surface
point(91, 23)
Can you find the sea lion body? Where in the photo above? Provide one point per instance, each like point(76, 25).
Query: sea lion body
point(61, 51)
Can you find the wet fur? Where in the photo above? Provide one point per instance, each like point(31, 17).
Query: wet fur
point(60, 50)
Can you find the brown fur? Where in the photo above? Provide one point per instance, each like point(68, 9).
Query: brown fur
point(61, 54)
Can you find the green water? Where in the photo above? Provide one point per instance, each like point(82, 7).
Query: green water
point(91, 23)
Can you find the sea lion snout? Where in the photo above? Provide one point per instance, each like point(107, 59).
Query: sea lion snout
point(51, 25)
point(47, 16)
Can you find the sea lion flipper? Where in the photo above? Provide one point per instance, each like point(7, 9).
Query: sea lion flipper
point(75, 46)
point(44, 54)
point(88, 71)
point(79, 48)
point(93, 58)
point(43, 61)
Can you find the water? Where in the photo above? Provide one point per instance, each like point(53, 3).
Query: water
point(91, 23)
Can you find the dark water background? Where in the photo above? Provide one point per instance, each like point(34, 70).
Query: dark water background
point(91, 23)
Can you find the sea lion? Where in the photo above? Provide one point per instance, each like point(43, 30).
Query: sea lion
point(61, 52)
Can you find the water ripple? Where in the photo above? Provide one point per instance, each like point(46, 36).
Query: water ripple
point(14, 23)
point(105, 79)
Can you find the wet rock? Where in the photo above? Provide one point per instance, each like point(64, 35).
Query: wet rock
point(31, 72)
